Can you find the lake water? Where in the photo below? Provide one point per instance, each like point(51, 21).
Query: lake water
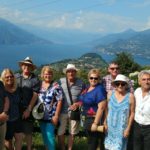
point(45, 54)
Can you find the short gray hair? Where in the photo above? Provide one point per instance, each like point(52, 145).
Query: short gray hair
point(142, 73)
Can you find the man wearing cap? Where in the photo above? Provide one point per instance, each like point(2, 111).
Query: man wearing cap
point(75, 86)
point(30, 86)
point(141, 130)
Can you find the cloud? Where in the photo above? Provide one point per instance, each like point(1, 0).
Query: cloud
point(88, 21)
point(143, 3)
point(147, 24)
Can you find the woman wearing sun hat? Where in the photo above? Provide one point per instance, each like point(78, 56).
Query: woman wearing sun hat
point(120, 114)
point(30, 85)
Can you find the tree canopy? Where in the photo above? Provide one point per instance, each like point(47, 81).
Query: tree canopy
point(126, 63)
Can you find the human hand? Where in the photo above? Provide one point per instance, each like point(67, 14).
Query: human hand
point(126, 133)
point(55, 120)
point(26, 114)
point(73, 107)
point(94, 127)
point(3, 117)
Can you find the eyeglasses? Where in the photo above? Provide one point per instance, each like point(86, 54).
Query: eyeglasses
point(9, 77)
point(146, 79)
point(50, 74)
point(114, 68)
point(120, 83)
point(93, 78)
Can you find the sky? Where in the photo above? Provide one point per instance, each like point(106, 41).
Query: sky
point(94, 16)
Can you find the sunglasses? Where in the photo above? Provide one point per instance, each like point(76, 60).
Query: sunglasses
point(115, 68)
point(93, 78)
point(120, 83)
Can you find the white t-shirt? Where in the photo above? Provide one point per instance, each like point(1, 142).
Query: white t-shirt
point(142, 109)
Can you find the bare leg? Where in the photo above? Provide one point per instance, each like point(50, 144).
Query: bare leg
point(9, 145)
point(18, 141)
point(70, 141)
point(61, 142)
point(28, 139)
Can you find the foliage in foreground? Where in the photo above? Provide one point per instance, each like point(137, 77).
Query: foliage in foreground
point(80, 143)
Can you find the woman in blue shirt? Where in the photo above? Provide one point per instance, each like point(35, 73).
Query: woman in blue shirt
point(93, 100)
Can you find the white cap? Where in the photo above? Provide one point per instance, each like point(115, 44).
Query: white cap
point(122, 78)
point(70, 67)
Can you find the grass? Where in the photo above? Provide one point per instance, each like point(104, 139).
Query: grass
point(80, 143)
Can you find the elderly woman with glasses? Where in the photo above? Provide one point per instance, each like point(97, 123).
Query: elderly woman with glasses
point(119, 115)
point(93, 101)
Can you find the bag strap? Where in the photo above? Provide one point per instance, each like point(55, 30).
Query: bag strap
point(69, 92)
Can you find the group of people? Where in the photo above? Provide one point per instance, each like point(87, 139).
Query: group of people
point(110, 102)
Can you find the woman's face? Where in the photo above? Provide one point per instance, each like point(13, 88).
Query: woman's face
point(121, 86)
point(9, 79)
point(47, 76)
point(93, 79)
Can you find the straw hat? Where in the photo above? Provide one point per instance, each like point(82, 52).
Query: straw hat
point(70, 67)
point(27, 61)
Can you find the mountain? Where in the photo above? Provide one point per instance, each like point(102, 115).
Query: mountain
point(85, 62)
point(110, 38)
point(62, 36)
point(11, 34)
point(137, 44)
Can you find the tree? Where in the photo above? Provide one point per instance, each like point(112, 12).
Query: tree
point(126, 63)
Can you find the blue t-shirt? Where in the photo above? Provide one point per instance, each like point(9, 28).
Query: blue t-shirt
point(91, 99)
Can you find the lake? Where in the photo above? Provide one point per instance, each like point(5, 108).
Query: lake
point(45, 54)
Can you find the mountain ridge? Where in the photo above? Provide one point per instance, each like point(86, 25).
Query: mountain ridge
point(12, 34)
point(138, 44)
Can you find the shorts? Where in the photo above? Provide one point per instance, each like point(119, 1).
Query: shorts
point(74, 126)
point(27, 127)
point(12, 128)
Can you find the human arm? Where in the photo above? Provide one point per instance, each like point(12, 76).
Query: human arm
point(106, 111)
point(33, 100)
point(58, 96)
point(131, 116)
point(75, 105)
point(4, 114)
point(99, 113)
point(56, 116)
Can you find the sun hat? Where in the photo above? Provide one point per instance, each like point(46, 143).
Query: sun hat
point(70, 67)
point(121, 77)
point(27, 61)
point(38, 111)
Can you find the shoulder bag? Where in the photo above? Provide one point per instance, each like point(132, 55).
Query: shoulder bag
point(75, 114)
